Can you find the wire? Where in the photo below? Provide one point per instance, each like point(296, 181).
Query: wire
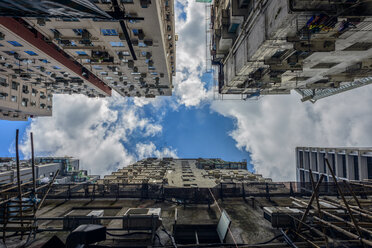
point(271, 240)
point(157, 235)
point(169, 235)
point(126, 234)
point(287, 239)
point(219, 209)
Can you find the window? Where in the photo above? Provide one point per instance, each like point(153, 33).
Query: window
point(135, 31)
point(141, 44)
point(301, 155)
point(31, 53)
point(308, 160)
point(324, 65)
point(44, 61)
point(56, 67)
point(25, 89)
point(127, 1)
point(70, 19)
point(33, 103)
point(3, 95)
point(116, 44)
point(14, 86)
point(322, 155)
point(14, 99)
point(97, 67)
point(10, 53)
point(109, 32)
point(103, 73)
point(344, 172)
point(332, 162)
point(356, 167)
point(316, 161)
point(78, 31)
point(359, 46)
point(24, 102)
point(3, 82)
point(302, 176)
point(15, 43)
point(369, 167)
point(82, 53)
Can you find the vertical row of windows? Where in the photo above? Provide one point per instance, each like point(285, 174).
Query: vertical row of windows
point(344, 171)
point(369, 167)
point(322, 155)
point(356, 168)
point(316, 162)
point(301, 154)
point(333, 162)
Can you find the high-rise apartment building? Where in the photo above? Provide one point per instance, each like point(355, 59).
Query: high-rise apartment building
point(129, 46)
point(183, 173)
point(45, 169)
point(19, 100)
point(318, 48)
point(348, 163)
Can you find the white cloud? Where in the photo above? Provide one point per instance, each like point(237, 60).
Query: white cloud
point(93, 130)
point(191, 48)
point(145, 150)
point(272, 127)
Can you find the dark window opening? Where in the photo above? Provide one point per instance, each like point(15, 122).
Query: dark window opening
point(369, 167)
point(344, 171)
point(356, 168)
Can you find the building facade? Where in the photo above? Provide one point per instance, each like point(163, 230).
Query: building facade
point(347, 163)
point(316, 48)
point(45, 169)
point(20, 100)
point(132, 50)
point(183, 173)
point(101, 45)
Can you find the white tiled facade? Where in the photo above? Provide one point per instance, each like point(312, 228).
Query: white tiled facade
point(347, 163)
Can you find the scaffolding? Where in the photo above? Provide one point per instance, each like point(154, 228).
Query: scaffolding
point(19, 201)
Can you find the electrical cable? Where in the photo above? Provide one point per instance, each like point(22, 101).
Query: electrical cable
point(287, 239)
point(125, 234)
point(169, 235)
point(157, 235)
point(219, 209)
point(269, 241)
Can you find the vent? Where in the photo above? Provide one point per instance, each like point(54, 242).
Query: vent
point(321, 82)
point(299, 78)
point(324, 65)
point(359, 46)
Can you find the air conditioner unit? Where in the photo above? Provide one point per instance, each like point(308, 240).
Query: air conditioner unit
point(142, 219)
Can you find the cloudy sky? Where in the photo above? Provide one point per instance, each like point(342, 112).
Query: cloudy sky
point(109, 133)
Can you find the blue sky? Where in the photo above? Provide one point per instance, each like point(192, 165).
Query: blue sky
point(191, 131)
